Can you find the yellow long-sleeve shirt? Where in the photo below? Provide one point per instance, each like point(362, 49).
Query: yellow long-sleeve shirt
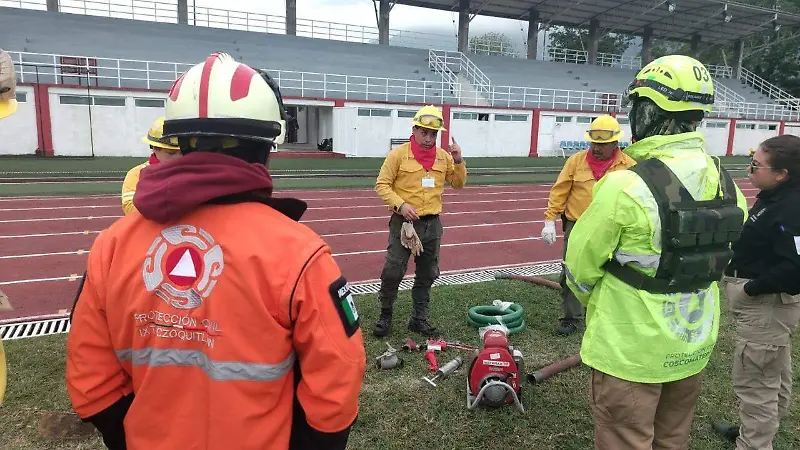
point(129, 187)
point(401, 177)
point(572, 191)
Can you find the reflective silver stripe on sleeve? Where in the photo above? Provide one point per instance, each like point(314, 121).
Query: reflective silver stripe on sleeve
point(647, 261)
point(217, 370)
point(583, 287)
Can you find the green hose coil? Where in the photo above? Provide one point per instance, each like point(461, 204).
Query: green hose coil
point(484, 315)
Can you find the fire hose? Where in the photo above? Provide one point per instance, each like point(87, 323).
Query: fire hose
point(512, 316)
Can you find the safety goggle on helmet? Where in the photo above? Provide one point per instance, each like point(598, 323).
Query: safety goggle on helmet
point(429, 117)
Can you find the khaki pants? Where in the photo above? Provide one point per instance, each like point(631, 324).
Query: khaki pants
point(637, 416)
point(762, 362)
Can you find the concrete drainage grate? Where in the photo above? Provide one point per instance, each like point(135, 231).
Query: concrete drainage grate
point(36, 328)
point(21, 330)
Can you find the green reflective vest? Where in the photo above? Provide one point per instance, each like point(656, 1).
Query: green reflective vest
point(633, 334)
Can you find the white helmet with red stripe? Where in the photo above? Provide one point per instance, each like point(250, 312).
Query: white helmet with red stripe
point(223, 98)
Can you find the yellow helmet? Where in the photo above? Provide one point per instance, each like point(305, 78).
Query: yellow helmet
point(8, 86)
point(429, 117)
point(155, 137)
point(223, 98)
point(674, 83)
point(603, 129)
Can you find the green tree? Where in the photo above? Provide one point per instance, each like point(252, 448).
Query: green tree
point(578, 39)
point(491, 43)
point(773, 56)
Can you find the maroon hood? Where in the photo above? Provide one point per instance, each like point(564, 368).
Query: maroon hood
point(167, 191)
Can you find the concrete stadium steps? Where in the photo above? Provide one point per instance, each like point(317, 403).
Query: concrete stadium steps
point(51, 33)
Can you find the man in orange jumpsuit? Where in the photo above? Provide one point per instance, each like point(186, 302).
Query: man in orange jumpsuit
point(213, 319)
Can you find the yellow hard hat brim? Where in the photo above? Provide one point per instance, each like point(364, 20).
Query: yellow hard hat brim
point(614, 138)
point(159, 144)
point(7, 108)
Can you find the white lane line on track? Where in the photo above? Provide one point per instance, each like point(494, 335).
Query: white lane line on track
point(499, 241)
point(51, 208)
point(288, 193)
point(46, 219)
point(479, 225)
point(66, 233)
point(72, 277)
point(385, 217)
point(357, 233)
point(50, 219)
point(36, 255)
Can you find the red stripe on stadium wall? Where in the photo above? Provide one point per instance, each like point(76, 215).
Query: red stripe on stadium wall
point(731, 135)
point(782, 128)
point(534, 151)
point(205, 80)
point(446, 134)
point(44, 124)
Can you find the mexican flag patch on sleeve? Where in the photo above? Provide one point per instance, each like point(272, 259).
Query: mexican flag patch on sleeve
point(345, 305)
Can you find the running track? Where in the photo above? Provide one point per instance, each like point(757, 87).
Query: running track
point(44, 241)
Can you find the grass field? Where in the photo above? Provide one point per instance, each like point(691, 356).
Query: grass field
point(399, 410)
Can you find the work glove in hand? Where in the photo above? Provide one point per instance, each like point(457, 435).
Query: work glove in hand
point(549, 232)
point(410, 239)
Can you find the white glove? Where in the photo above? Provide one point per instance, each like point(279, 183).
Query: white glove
point(549, 232)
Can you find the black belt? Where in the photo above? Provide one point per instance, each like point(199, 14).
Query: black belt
point(423, 218)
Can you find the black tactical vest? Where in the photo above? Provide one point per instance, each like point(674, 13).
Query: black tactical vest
point(696, 236)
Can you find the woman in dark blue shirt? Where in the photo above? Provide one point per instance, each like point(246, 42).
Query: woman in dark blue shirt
point(762, 289)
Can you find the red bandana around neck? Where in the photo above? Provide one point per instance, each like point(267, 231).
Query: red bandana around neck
point(598, 166)
point(423, 156)
point(153, 159)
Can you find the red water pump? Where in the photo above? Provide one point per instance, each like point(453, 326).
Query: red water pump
point(495, 373)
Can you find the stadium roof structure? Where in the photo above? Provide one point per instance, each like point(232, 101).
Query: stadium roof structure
point(715, 21)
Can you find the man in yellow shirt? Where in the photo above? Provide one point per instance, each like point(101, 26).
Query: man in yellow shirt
point(411, 182)
point(164, 150)
point(572, 193)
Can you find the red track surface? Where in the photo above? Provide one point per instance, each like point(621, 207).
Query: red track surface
point(44, 240)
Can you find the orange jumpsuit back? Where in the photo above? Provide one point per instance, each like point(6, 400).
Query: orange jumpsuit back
point(217, 322)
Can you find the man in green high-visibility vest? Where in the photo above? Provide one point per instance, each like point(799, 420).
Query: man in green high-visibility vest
point(645, 258)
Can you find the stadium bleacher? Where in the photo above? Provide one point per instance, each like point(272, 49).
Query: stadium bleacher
point(307, 66)
point(504, 71)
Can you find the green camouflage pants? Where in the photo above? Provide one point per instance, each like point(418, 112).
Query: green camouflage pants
point(573, 310)
point(429, 229)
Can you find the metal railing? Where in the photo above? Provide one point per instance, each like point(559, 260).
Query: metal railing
point(571, 56)
point(276, 24)
point(439, 65)
point(769, 89)
point(40, 5)
point(146, 10)
point(72, 70)
point(459, 63)
point(493, 47)
point(718, 71)
point(723, 93)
